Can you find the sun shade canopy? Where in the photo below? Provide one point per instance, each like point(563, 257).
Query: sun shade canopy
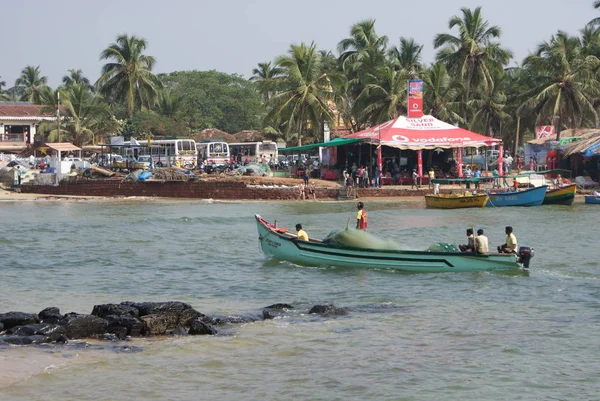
point(426, 132)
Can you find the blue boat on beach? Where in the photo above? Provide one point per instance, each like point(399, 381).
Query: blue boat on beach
point(526, 197)
point(592, 199)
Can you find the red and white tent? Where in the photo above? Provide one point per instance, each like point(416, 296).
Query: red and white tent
point(426, 132)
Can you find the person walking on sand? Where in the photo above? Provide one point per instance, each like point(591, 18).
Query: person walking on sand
point(312, 193)
point(361, 217)
point(19, 175)
point(415, 180)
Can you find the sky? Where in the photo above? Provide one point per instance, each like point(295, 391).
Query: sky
point(234, 36)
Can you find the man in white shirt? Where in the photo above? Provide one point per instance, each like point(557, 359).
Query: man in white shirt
point(481, 243)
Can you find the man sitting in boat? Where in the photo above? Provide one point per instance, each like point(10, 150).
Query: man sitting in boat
point(481, 243)
point(511, 245)
point(361, 217)
point(302, 235)
point(470, 246)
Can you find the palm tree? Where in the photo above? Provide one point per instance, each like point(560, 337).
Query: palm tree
point(489, 108)
point(384, 100)
point(472, 55)
point(265, 77)
point(168, 104)
point(76, 77)
point(129, 76)
point(441, 99)
point(3, 96)
point(564, 83)
point(305, 89)
point(407, 57)
point(86, 115)
point(30, 85)
point(595, 21)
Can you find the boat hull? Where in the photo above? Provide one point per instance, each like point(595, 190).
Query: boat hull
point(592, 200)
point(561, 196)
point(527, 197)
point(455, 202)
point(315, 253)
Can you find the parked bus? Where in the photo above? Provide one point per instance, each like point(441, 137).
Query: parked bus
point(214, 152)
point(253, 150)
point(165, 152)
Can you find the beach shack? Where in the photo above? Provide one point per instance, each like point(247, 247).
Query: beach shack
point(19, 124)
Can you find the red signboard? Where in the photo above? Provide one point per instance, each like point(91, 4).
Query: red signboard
point(415, 99)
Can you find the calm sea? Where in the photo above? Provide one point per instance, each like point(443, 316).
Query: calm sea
point(455, 336)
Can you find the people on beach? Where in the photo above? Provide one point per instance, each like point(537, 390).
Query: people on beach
point(19, 175)
point(349, 184)
point(470, 245)
point(468, 174)
point(302, 191)
point(481, 243)
point(511, 245)
point(312, 193)
point(431, 174)
point(415, 180)
point(302, 235)
point(361, 217)
point(496, 183)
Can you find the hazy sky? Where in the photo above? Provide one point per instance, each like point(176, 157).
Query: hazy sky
point(233, 36)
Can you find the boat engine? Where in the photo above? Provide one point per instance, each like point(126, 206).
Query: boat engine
point(525, 255)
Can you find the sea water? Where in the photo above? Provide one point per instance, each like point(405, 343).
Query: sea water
point(468, 336)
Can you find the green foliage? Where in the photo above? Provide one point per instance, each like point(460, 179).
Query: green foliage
point(211, 99)
point(146, 123)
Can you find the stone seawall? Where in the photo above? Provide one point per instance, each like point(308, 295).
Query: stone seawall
point(213, 189)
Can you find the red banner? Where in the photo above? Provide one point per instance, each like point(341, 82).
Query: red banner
point(415, 99)
point(544, 131)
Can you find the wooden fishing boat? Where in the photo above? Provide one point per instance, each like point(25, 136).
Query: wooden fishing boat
point(592, 199)
point(564, 195)
point(443, 201)
point(280, 244)
point(526, 197)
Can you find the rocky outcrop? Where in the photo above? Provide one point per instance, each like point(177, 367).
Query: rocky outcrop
point(130, 319)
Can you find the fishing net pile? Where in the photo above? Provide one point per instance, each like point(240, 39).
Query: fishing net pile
point(442, 247)
point(359, 239)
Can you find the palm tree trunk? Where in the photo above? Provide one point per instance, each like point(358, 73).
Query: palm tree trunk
point(517, 136)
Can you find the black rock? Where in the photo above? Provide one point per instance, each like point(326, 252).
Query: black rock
point(115, 309)
point(12, 319)
point(198, 327)
point(116, 331)
point(325, 310)
point(83, 326)
point(16, 340)
point(179, 331)
point(134, 326)
point(158, 308)
point(50, 315)
point(279, 306)
point(1, 327)
point(53, 331)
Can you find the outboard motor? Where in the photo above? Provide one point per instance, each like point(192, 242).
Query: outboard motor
point(525, 255)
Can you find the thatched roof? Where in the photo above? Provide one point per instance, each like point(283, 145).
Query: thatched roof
point(213, 134)
point(589, 137)
point(249, 136)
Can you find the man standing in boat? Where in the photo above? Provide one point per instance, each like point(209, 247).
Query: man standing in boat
point(481, 243)
point(511, 245)
point(361, 217)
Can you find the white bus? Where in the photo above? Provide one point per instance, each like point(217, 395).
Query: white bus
point(166, 152)
point(215, 152)
point(253, 150)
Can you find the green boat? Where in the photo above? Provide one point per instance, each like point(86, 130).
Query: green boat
point(278, 243)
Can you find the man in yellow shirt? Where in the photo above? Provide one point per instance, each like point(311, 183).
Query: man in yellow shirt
point(302, 235)
point(511, 245)
point(431, 174)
